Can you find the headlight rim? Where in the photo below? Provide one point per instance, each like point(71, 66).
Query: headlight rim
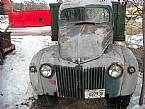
point(51, 69)
point(116, 65)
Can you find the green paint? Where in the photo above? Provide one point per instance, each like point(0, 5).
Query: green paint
point(119, 12)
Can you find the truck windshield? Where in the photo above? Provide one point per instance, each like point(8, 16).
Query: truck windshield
point(85, 14)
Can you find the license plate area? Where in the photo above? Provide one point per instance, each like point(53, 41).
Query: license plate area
point(95, 93)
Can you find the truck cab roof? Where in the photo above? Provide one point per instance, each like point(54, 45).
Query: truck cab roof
point(81, 3)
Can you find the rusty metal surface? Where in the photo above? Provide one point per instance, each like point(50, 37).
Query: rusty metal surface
point(85, 44)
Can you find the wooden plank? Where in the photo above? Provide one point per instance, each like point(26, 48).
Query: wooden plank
point(10, 48)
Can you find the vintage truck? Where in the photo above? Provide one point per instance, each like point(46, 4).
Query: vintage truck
point(5, 45)
point(86, 62)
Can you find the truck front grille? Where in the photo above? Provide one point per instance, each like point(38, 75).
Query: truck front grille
point(72, 81)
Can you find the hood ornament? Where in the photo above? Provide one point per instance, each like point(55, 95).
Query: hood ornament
point(78, 61)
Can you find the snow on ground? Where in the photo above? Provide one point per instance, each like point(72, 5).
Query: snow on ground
point(14, 76)
point(139, 20)
point(135, 41)
point(139, 107)
point(30, 29)
point(136, 95)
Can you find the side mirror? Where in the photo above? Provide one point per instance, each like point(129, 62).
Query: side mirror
point(54, 10)
point(119, 13)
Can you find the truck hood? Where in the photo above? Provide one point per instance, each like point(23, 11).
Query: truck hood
point(86, 45)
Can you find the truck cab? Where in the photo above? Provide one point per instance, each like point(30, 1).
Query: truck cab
point(86, 62)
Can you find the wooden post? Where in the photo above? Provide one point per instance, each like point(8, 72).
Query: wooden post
point(141, 101)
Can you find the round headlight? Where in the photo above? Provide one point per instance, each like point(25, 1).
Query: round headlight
point(46, 70)
point(115, 70)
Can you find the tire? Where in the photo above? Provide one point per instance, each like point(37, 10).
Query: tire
point(120, 102)
point(47, 101)
point(1, 58)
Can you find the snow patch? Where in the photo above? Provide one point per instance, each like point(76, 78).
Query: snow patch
point(135, 41)
point(139, 107)
point(15, 85)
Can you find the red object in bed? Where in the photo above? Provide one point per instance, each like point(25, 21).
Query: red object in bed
point(30, 18)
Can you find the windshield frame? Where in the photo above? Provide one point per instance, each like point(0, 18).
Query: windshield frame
point(107, 7)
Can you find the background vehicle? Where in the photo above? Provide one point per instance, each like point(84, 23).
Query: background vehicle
point(86, 63)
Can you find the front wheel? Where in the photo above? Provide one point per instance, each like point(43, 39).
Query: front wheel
point(1, 58)
point(47, 101)
point(120, 102)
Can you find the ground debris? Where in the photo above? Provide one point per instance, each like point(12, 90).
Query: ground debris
point(75, 104)
point(26, 104)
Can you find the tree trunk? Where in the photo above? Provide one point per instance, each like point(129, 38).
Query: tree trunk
point(141, 101)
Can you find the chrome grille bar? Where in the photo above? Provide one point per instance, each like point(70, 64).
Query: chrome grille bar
point(72, 81)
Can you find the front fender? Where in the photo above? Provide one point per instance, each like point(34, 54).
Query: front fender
point(129, 80)
point(40, 84)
